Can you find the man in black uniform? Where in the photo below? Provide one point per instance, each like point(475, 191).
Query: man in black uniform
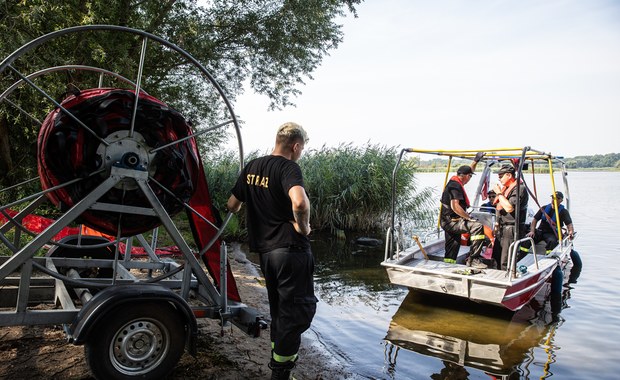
point(456, 221)
point(506, 204)
point(278, 222)
point(547, 229)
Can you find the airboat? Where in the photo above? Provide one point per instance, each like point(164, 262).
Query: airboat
point(121, 168)
point(415, 260)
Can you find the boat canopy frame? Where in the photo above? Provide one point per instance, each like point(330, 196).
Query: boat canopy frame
point(519, 157)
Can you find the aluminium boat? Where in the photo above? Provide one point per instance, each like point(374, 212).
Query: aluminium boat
point(417, 260)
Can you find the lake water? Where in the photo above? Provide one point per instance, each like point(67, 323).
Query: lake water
point(387, 332)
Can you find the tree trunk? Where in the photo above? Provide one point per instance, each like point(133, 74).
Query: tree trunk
point(6, 163)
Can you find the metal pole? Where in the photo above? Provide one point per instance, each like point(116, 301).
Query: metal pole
point(138, 84)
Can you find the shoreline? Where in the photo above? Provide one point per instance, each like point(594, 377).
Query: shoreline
point(315, 360)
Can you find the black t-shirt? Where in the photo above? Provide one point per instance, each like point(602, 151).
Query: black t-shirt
point(506, 218)
point(544, 226)
point(263, 186)
point(453, 190)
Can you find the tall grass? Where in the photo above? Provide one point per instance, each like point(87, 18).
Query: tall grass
point(222, 170)
point(349, 188)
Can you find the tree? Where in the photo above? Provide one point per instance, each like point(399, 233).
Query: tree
point(609, 160)
point(272, 45)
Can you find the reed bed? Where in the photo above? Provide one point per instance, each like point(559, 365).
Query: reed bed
point(349, 187)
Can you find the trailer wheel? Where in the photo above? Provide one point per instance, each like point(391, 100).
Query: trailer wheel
point(136, 341)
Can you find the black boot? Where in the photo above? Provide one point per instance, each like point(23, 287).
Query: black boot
point(281, 371)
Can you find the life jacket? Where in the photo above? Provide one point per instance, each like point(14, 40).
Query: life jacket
point(458, 180)
point(550, 216)
point(505, 192)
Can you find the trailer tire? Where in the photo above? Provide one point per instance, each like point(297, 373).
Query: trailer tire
point(136, 341)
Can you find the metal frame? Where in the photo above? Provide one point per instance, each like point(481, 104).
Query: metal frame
point(188, 279)
point(492, 156)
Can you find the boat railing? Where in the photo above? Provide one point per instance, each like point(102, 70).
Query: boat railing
point(388, 244)
point(513, 254)
point(425, 236)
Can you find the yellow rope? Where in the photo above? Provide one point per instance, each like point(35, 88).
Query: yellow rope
point(549, 354)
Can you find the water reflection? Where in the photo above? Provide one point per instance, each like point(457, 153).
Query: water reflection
point(465, 335)
point(346, 268)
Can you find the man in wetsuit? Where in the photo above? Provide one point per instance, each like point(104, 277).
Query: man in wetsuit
point(455, 220)
point(278, 222)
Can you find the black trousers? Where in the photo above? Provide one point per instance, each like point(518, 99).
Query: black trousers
point(502, 243)
point(290, 288)
point(550, 239)
point(453, 230)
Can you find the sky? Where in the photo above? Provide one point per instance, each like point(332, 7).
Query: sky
point(452, 74)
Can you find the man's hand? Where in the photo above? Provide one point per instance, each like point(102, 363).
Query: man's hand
point(233, 205)
point(531, 234)
point(479, 156)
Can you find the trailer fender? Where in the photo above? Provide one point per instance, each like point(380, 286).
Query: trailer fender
point(112, 299)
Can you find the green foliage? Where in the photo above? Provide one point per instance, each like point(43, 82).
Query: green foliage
point(221, 170)
point(350, 188)
point(272, 45)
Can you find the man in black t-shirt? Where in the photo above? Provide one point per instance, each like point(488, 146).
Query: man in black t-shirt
point(547, 229)
point(511, 197)
point(278, 223)
point(455, 220)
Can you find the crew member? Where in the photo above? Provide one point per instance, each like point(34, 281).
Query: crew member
point(547, 229)
point(455, 220)
point(278, 222)
point(506, 202)
point(489, 206)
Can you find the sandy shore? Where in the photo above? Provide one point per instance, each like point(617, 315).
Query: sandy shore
point(244, 357)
